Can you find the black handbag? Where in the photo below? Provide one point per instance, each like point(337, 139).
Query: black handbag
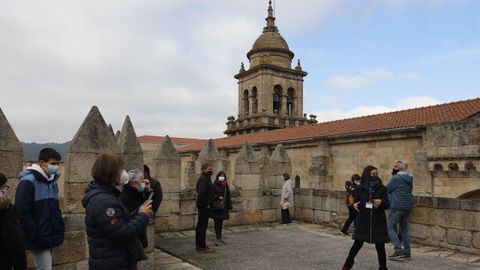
point(220, 204)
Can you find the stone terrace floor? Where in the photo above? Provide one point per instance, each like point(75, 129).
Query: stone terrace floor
point(293, 246)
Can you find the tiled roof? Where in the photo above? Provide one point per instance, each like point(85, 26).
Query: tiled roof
point(411, 118)
point(178, 142)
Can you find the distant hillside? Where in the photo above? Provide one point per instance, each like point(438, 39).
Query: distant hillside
point(31, 150)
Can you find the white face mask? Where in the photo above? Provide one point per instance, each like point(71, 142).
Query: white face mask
point(123, 178)
point(357, 182)
point(221, 178)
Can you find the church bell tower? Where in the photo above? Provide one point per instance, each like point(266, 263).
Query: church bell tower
point(270, 92)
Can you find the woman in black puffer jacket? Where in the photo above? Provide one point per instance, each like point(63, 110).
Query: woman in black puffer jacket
point(371, 201)
point(221, 205)
point(111, 229)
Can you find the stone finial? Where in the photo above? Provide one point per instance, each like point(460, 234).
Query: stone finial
point(167, 150)
point(209, 152)
point(8, 139)
point(242, 68)
point(128, 140)
point(94, 135)
point(280, 155)
point(299, 66)
point(111, 129)
point(247, 153)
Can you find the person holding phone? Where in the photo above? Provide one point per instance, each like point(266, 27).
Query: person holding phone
point(112, 230)
point(371, 201)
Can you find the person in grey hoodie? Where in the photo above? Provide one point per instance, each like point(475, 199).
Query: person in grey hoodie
point(401, 203)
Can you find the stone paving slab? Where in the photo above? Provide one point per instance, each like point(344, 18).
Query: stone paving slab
point(300, 246)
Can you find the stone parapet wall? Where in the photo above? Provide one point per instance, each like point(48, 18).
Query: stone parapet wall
point(442, 222)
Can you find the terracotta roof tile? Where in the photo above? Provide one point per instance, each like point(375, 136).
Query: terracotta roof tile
point(410, 118)
point(178, 142)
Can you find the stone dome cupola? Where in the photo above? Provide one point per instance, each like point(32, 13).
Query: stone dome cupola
point(270, 47)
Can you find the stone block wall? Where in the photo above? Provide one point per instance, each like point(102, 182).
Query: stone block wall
point(442, 222)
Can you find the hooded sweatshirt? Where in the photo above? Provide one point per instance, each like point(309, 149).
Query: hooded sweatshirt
point(36, 202)
point(400, 191)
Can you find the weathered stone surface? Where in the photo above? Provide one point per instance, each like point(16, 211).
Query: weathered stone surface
point(459, 237)
point(130, 147)
point(209, 152)
point(476, 240)
point(247, 153)
point(74, 222)
point(78, 167)
point(418, 230)
point(150, 238)
point(280, 155)
point(270, 215)
point(423, 215)
point(438, 234)
point(72, 202)
point(322, 216)
point(8, 139)
point(247, 181)
point(73, 250)
point(94, 136)
point(111, 129)
point(11, 163)
point(167, 150)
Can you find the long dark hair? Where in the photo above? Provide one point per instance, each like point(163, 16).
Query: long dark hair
point(366, 174)
point(221, 173)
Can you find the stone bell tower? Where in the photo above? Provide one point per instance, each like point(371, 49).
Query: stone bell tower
point(270, 92)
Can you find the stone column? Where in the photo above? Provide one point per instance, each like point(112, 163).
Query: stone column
point(168, 173)
point(319, 176)
point(92, 138)
point(130, 148)
point(11, 154)
point(423, 178)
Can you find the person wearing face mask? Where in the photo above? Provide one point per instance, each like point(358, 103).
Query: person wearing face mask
point(112, 230)
point(36, 202)
point(350, 187)
point(286, 200)
point(371, 201)
point(12, 250)
point(204, 205)
point(222, 203)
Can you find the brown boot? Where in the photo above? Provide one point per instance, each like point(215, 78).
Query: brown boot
point(347, 266)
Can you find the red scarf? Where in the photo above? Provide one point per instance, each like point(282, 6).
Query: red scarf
point(223, 184)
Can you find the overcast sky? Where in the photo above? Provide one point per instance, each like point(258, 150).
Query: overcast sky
point(169, 64)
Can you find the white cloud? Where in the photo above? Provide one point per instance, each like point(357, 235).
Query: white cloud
point(402, 104)
point(367, 78)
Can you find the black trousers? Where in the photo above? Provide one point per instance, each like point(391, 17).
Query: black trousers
point(382, 257)
point(286, 216)
point(351, 218)
point(218, 228)
point(201, 229)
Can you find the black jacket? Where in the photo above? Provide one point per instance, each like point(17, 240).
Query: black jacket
point(112, 230)
point(218, 191)
point(12, 250)
point(157, 195)
point(204, 192)
point(133, 199)
point(371, 224)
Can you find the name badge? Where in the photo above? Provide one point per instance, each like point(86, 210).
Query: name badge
point(369, 205)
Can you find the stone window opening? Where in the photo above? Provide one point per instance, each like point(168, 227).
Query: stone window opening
point(246, 103)
point(277, 93)
point(254, 100)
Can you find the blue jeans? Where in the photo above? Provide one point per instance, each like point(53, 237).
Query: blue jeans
point(399, 217)
point(43, 259)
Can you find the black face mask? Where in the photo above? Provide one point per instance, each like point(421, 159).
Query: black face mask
point(209, 173)
point(394, 171)
point(374, 178)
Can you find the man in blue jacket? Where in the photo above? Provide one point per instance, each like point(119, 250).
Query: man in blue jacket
point(401, 203)
point(36, 201)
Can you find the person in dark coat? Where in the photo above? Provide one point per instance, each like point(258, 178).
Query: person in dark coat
point(222, 203)
point(204, 205)
point(155, 186)
point(371, 201)
point(38, 209)
point(350, 187)
point(12, 250)
point(112, 231)
point(134, 194)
